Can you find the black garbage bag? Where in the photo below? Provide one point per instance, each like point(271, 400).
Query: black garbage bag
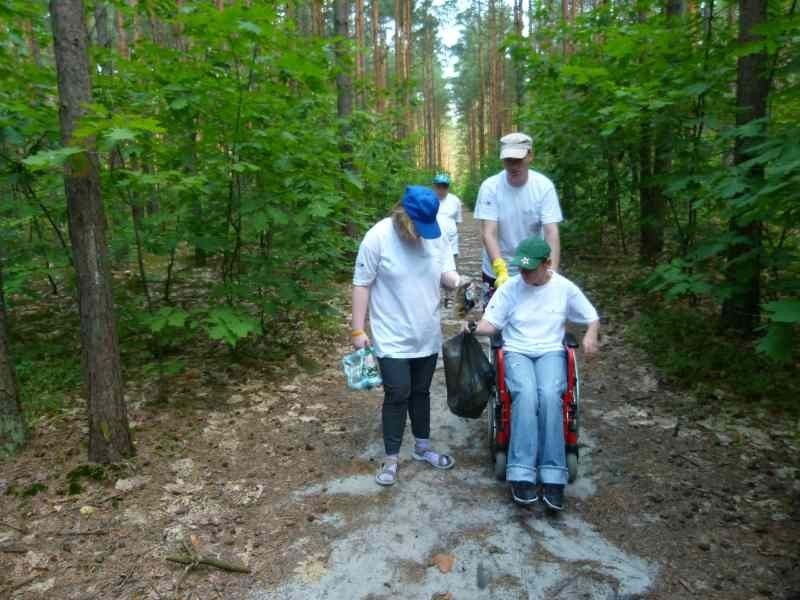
point(469, 375)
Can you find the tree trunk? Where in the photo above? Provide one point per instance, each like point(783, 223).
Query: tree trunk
point(651, 227)
point(408, 9)
point(344, 82)
point(103, 33)
point(135, 28)
point(122, 39)
point(472, 141)
point(399, 55)
point(402, 51)
point(654, 169)
point(360, 46)
point(531, 19)
point(494, 77)
point(427, 74)
point(33, 44)
point(13, 432)
point(612, 193)
point(482, 89)
point(741, 310)
point(109, 435)
point(317, 18)
point(517, 72)
point(377, 55)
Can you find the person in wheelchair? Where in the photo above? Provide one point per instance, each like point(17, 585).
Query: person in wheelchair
point(531, 310)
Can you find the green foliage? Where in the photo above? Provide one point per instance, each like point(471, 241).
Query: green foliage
point(232, 206)
point(229, 326)
point(49, 159)
point(48, 367)
point(687, 346)
point(27, 492)
point(82, 472)
point(164, 319)
point(641, 102)
point(783, 317)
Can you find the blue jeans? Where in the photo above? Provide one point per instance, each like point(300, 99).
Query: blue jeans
point(536, 385)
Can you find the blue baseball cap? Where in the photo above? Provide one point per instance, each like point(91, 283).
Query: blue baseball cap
point(421, 206)
point(441, 179)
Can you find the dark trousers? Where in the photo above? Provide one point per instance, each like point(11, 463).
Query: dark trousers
point(406, 389)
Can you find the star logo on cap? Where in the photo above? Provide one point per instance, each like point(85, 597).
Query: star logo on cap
point(525, 260)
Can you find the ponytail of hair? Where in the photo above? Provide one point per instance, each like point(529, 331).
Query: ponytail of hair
point(403, 225)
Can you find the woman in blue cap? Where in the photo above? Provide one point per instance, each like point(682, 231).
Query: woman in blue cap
point(402, 262)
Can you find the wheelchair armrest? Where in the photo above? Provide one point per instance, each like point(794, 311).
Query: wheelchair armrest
point(497, 340)
point(570, 341)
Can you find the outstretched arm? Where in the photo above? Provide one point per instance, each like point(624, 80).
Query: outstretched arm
point(589, 343)
point(482, 327)
point(451, 280)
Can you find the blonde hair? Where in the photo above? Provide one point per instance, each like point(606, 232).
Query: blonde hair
point(403, 224)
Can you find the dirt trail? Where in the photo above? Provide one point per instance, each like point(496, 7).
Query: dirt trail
point(677, 496)
point(701, 508)
point(500, 550)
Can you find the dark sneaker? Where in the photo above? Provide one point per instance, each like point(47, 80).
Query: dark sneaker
point(524, 492)
point(553, 496)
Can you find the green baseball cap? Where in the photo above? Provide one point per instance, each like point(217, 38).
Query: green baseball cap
point(531, 253)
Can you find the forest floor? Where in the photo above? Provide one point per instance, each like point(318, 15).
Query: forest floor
point(677, 496)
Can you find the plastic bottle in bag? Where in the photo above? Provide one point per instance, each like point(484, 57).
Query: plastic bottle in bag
point(361, 369)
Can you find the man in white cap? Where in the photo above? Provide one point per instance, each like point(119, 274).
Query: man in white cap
point(514, 205)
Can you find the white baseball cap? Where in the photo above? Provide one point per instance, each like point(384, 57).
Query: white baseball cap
point(515, 145)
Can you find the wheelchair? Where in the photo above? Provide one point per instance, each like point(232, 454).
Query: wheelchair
point(499, 409)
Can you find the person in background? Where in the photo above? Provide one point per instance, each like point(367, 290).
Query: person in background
point(531, 309)
point(513, 205)
point(402, 263)
point(449, 207)
point(449, 233)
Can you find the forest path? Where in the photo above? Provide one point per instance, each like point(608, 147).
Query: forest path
point(680, 495)
point(500, 550)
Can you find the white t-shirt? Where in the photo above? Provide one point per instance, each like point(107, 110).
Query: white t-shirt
point(403, 280)
point(450, 208)
point(532, 317)
point(449, 232)
point(520, 212)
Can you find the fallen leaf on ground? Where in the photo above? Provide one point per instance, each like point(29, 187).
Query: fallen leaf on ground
point(442, 596)
point(444, 562)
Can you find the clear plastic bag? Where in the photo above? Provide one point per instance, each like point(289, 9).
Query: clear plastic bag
point(361, 369)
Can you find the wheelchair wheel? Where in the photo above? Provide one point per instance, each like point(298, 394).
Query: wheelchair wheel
point(491, 429)
point(572, 467)
point(500, 465)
